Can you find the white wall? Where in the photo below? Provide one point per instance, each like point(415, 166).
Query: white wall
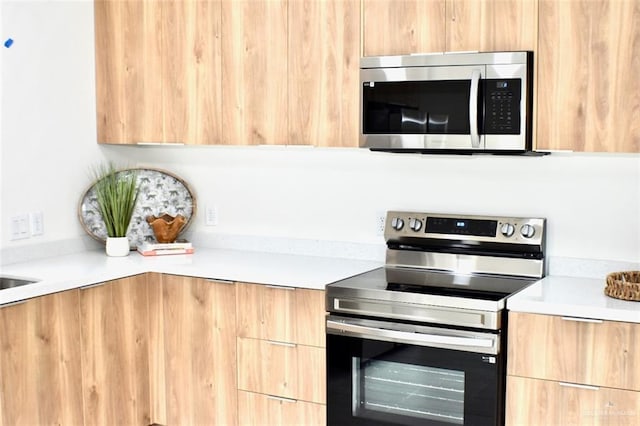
point(591, 201)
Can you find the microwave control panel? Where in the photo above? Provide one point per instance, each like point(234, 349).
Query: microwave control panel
point(502, 106)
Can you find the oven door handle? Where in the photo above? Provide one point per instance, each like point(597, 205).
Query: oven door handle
point(471, 344)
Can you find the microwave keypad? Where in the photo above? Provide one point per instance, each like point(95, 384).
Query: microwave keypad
point(502, 106)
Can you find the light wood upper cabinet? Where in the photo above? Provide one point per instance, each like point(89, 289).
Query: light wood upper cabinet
point(323, 72)
point(158, 71)
point(492, 25)
point(129, 82)
point(115, 352)
point(41, 380)
point(394, 27)
point(588, 67)
point(600, 353)
point(398, 27)
point(254, 72)
point(191, 71)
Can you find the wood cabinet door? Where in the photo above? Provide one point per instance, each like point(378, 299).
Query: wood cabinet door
point(543, 402)
point(284, 314)
point(266, 312)
point(323, 72)
point(41, 381)
point(192, 91)
point(267, 367)
point(257, 409)
point(254, 72)
point(591, 352)
point(400, 27)
point(492, 25)
point(115, 352)
point(199, 351)
point(282, 369)
point(129, 84)
point(588, 90)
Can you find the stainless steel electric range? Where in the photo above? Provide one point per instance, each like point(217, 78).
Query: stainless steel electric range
point(422, 340)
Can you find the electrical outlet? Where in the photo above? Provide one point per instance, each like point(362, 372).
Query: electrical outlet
point(211, 216)
point(381, 218)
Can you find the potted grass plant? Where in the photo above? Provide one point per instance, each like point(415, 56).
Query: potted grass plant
point(116, 192)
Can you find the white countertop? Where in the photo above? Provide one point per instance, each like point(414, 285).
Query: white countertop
point(575, 297)
point(61, 273)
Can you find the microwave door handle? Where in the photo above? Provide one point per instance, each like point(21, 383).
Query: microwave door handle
point(473, 109)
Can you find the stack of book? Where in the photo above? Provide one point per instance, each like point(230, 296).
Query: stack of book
point(160, 249)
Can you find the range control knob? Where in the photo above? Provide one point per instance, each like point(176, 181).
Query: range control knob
point(507, 229)
point(415, 224)
point(397, 223)
point(527, 231)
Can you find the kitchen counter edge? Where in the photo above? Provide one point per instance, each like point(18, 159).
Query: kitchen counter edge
point(60, 273)
point(573, 297)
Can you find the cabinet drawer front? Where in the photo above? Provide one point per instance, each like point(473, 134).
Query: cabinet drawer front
point(284, 314)
point(259, 409)
point(544, 402)
point(600, 353)
point(285, 370)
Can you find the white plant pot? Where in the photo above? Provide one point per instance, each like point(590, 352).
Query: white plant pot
point(117, 246)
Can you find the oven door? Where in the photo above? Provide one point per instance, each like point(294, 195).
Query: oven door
point(382, 373)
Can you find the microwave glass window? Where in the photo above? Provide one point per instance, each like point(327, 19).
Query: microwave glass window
point(424, 393)
point(416, 107)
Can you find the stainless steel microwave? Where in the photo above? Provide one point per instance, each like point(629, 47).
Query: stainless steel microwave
point(447, 102)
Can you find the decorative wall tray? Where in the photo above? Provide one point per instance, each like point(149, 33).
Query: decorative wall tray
point(159, 192)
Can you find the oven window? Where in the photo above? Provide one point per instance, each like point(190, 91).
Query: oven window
point(392, 388)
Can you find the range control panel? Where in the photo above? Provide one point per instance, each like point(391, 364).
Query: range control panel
point(515, 230)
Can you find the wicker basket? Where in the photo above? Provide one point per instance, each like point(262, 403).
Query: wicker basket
point(624, 285)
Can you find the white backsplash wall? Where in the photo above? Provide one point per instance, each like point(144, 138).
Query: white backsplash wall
point(48, 145)
point(592, 202)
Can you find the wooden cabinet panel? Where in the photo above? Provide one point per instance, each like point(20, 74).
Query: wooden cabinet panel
point(266, 312)
point(199, 345)
point(287, 370)
point(158, 71)
point(310, 317)
point(40, 361)
point(115, 356)
point(542, 402)
point(267, 367)
point(254, 72)
point(283, 314)
point(492, 25)
point(398, 27)
point(323, 72)
point(257, 409)
point(550, 347)
point(588, 90)
point(191, 70)
point(128, 81)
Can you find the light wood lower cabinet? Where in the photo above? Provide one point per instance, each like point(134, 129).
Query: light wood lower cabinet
point(282, 369)
point(572, 371)
point(40, 375)
point(258, 409)
point(544, 402)
point(115, 352)
point(195, 358)
point(577, 350)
